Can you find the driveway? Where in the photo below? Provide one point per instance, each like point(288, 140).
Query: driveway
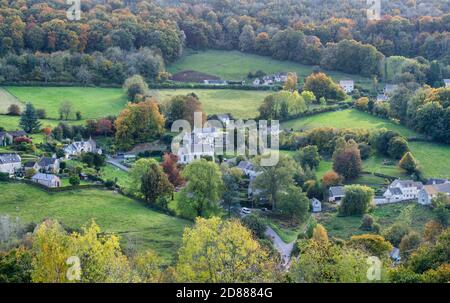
point(284, 249)
point(116, 162)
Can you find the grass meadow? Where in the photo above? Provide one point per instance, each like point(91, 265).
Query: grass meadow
point(139, 227)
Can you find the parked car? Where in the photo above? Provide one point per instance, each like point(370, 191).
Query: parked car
point(245, 210)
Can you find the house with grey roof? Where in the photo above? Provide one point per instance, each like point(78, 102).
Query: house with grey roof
point(382, 98)
point(402, 190)
point(429, 192)
point(48, 180)
point(48, 165)
point(336, 193)
point(10, 163)
point(434, 181)
point(79, 147)
point(7, 137)
point(390, 88)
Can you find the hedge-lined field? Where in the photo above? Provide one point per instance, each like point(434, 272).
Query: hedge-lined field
point(434, 158)
point(235, 65)
point(138, 226)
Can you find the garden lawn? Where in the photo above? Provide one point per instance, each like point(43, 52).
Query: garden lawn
point(239, 103)
point(412, 214)
point(139, 227)
point(91, 102)
point(110, 172)
point(235, 65)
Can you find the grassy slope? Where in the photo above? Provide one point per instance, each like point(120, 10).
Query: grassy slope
point(234, 65)
point(240, 103)
point(434, 158)
point(411, 214)
point(135, 223)
point(92, 102)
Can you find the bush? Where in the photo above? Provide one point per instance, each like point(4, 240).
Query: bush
point(41, 113)
point(395, 234)
point(74, 180)
point(357, 200)
point(255, 224)
point(364, 150)
point(367, 222)
point(14, 110)
point(4, 177)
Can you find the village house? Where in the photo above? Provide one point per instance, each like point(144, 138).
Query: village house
point(336, 193)
point(429, 192)
point(402, 190)
point(48, 165)
point(7, 138)
point(198, 144)
point(10, 163)
point(31, 165)
point(247, 168)
point(447, 82)
point(256, 82)
point(347, 85)
point(390, 88)
point(78, 147)
point(316, 205)
point(48, 180)
point(382, 98)
point(215, 82)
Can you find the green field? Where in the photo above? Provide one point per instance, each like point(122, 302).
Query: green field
point(240, 103)
point(12, 122)
point(100, 102)
point(110, 172)
point(91, 102)
point(235, 65)
point(350, 118)
point(413, 215)
point(138, 226)
point(434, 158)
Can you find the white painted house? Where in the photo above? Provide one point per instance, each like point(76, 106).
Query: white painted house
point(10, 163)
point(347, 86)
point(78, 147)
point(402, 190)
point(447, 82)
point(48, 165)
point(198, 144)
point(316, 205)
point(429, 192)
point(48, 180)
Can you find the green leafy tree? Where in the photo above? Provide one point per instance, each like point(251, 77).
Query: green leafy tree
point(308, 156)
point(202, 193)
point(357, 200)
point(408, 163)
point(154, 183)
point(293, 203)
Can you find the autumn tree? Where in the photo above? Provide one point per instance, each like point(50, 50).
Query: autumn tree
point(323, 86)
point(138, 123)
point(216, 251)
point(171, 169)
point(201, 195)
point(308, 156)
point(182, 107)
point(293, 204)
point(347, 162)
point(331, 178)
point(14, 110)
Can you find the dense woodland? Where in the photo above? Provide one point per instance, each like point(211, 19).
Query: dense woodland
point(115, 39)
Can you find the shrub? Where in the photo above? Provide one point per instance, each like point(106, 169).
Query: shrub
point(357, 200)
point(14, 110)
point(255, 224)
point(367, 222)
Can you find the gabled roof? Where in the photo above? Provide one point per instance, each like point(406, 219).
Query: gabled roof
point(395, 191)
point(315, 201)
point(437, 188)
point(436, 181)
point(406, 183)
point(29, 164)
point(46, 161)
point(336, 191)
point(9, 158)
